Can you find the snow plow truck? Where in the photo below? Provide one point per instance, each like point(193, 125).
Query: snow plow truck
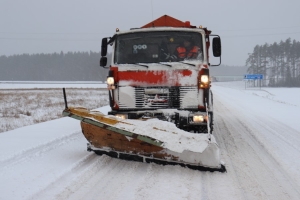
point(160, 98)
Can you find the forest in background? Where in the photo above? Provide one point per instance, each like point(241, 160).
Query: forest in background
point(225, 70)
point(278, 62)
point(70, 66)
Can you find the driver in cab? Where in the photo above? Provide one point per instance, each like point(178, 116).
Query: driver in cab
point(187, 50)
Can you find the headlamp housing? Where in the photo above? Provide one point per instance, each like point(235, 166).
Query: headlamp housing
point(121, 116)
point(110, 80)
point(198, 118)
point(204, 81)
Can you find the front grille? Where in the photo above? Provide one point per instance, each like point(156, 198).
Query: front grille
point(163, 97)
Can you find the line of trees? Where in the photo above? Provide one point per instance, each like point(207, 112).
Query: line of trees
point(71, 66)
point(278, 62)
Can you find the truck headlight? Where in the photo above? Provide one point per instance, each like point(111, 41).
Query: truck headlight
point(204, 79)
point(110, 80)
point(121, 116)
point(198, 118)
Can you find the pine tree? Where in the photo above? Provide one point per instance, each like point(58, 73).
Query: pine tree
point(279, 62)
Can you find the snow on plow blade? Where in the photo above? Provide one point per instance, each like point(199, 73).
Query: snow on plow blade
point(149, 140)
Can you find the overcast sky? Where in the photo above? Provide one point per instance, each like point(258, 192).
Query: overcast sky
point(38, 26)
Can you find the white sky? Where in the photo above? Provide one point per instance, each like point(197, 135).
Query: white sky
point(38, 26)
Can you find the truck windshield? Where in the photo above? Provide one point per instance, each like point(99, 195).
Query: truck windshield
point(160, 46)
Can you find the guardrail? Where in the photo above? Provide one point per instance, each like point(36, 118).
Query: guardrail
point(227, 78)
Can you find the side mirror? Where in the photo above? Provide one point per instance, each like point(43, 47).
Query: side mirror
point(216, 44)
point(104, 47)
point(103, 61)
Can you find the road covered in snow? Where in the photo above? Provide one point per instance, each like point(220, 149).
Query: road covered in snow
point(257, 130)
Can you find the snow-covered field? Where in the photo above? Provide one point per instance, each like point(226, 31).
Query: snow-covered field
point(20, 107)
point(50, 84)
point(257, 130)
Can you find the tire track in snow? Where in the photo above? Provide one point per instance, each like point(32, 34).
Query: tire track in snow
point(280, 145)
point(149, 180)
point(73, 181)
point(282, 132)
point(272, 98)
point(233, 168)
point(230, 167)
point(170, 182)
point(279, 140)
point(129, 180)
point(66, 176)
point(252, 164)
point(123, 174)
point(114, 180)
point(93, 179)
point(37, 151)
point(196, 186)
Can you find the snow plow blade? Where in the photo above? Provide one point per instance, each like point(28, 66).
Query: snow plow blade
point(151, 140)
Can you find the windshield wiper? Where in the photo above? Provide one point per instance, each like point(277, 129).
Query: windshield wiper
point(187, 63)
point(165, 64)
point(143, 65)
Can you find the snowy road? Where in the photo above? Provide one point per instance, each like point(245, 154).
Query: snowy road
point(257, 131)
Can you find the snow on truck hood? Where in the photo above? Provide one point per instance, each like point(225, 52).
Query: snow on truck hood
point(191, 64)
point(176, 73)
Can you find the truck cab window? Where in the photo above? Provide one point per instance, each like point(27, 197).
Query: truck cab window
point(157, 46)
